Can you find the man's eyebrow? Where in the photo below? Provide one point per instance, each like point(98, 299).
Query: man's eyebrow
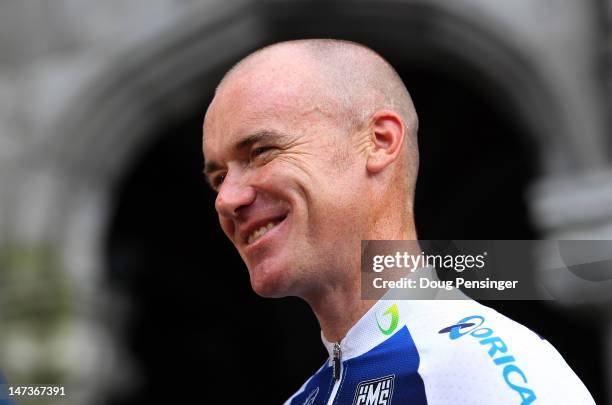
point(210, 166)
point(266, 134)
point(244, 143)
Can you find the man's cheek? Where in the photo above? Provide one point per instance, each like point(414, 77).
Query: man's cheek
point(227, 226)
point(282, 172)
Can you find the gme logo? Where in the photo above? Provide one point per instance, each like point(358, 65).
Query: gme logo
point(375, 392)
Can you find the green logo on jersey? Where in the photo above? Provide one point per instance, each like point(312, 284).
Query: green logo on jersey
point(394, 318)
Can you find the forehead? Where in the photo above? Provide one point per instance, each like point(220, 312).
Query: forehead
point(278, 97)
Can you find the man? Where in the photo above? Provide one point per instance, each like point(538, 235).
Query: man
point(311, 146)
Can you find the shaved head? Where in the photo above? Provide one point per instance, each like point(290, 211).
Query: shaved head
point(311, 147)
point(350, 82)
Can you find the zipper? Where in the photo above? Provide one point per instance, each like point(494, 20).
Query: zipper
point(337, 361)
point(336, 371)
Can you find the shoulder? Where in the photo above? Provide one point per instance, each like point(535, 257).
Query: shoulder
point(310, 389)
point(472, 351)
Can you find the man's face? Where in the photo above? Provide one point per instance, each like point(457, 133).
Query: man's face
point(287, 179)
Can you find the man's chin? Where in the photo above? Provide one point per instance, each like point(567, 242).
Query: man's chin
point(269, 282)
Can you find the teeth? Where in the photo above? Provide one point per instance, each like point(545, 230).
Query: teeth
point(258, 233)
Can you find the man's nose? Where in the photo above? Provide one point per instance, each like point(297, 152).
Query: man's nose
point(233, 195)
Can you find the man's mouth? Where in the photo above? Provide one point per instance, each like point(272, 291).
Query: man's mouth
point(258, 233)
point(262, 230)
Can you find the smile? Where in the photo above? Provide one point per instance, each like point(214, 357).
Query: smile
point(261, 231)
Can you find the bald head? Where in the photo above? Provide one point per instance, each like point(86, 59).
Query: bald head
point(344, 80)
point(352, 76)
point(311, 147)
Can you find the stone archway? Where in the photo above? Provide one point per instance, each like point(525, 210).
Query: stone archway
point(147, 87)
point(102, 129)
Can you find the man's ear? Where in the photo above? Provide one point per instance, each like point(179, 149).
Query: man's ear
point(386, 140)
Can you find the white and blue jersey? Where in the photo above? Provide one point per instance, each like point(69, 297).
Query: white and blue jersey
point(441, 352)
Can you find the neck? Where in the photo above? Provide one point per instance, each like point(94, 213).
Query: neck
point(338, 306)
point(338, 312)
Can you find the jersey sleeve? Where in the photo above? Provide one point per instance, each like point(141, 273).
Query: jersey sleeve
point(471, 354)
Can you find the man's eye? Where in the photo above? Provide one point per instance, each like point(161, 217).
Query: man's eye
point(218, 180)
point(261, 150)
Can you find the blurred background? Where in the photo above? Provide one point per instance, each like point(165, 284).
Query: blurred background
point(115, 278)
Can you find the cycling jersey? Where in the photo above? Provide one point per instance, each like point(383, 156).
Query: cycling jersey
point(440, 352)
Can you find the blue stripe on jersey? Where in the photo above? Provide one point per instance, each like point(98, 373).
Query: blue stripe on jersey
point(392, 366)
point(318, 389)
point(396, 356)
